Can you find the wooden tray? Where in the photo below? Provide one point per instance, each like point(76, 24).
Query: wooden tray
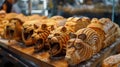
point(42, 59)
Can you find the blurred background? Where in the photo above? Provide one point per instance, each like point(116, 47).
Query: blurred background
point(68, 8)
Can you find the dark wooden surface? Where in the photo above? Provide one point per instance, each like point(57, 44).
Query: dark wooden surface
point(42, 59)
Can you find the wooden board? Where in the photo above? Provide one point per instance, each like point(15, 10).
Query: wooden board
point(42, 59)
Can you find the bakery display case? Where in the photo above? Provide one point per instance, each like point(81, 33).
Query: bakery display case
point(34, 7)
point(64, 33)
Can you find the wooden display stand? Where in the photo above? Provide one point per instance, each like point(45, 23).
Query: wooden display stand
point(42, 59)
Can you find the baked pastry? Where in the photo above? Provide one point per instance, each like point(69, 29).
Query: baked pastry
point(28, 30)
point(77, 23)
point(36, 17)
point(59, 20)
point(98, 34)
point(2, 18)
point(77, 50)
point(106, 29)
point(98, 27)
point(112, 61)
point(39, 37)
point(58, 40)
point(91, 37)
point(55, 22)
point(13, 29)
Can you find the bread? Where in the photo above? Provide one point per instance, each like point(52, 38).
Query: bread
point(55, 22)
point(36, 17)
point(98, 27)
point(111, 61)
point(78, 51)
point(39, 37)
point(13, 29)
point(28, 29)
point(58, 40)
point(99, 34)
point(91, 37)
point(4, 19)
point(105, 28)
point(77, 23)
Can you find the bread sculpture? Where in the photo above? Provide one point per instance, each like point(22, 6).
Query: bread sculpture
point(59, 20)
point(55, 22)
point(4, 20)
point(28, 30)
point(77, 23)
point(96, 36)
point(87, 38)
point(39, 37)
point(40, 33)
point(13, 28)
point(58, 43)
point(108, 30)
point(112, 61)
point(58, 40)
point(82, 45)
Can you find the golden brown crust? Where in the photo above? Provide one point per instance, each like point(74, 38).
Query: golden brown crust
point(77, 23)
point(59, 38)
point(111, 61)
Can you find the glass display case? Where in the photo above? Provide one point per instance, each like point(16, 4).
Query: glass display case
point(67, 8)
point(34, 7)
point(90, 8)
